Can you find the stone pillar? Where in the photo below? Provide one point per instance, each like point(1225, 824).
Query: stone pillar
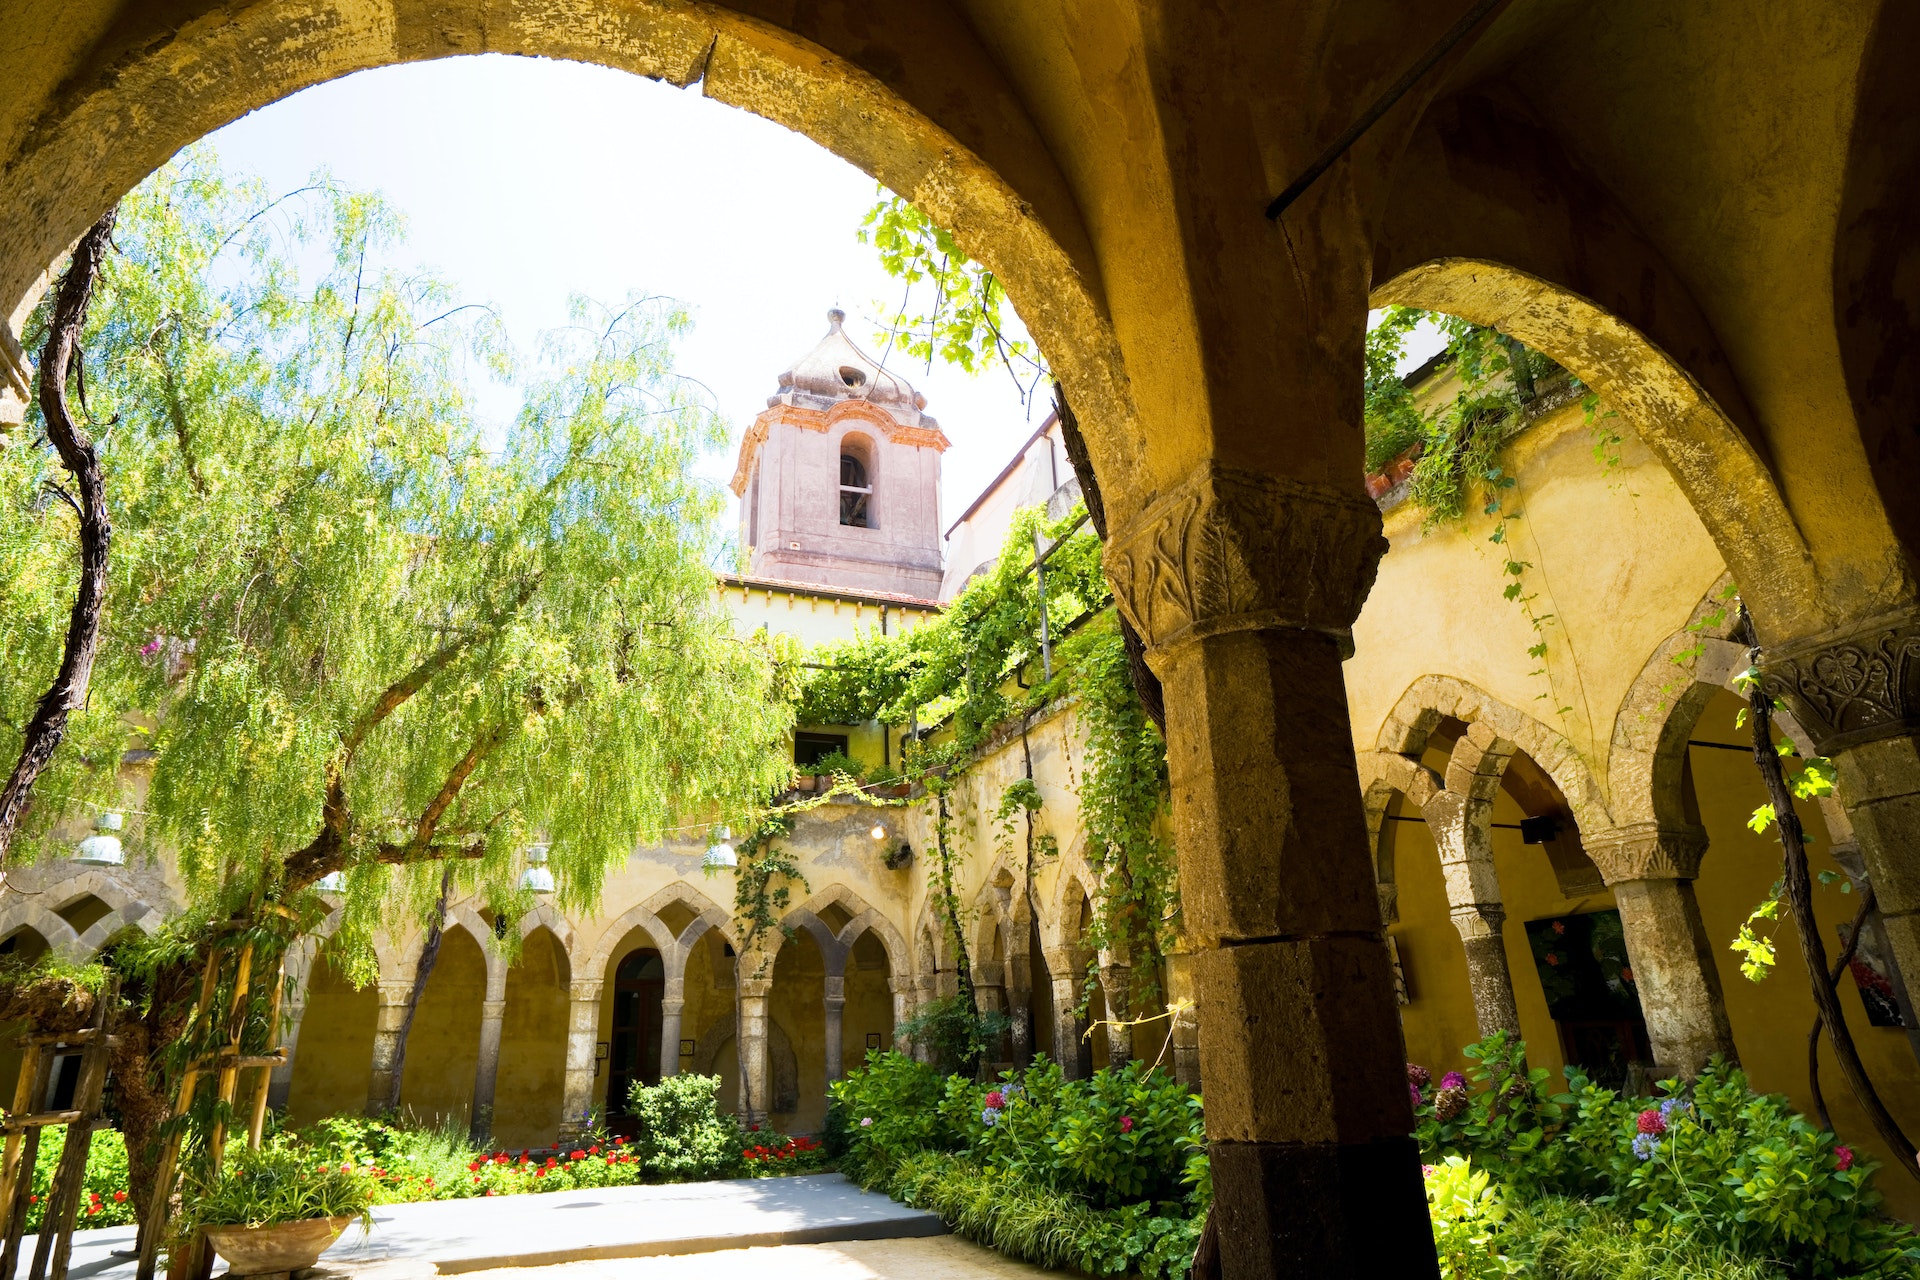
point(1651, 870)
point(486, 1072)
point(902, 990)
point(1019, 994)
point(836, 1007)
point(280, 1081)
point(1244, 587)
point(583, 1031)
point(1066, 1027)
point(1183, 1053)
point(1461, 832)
point(386, 1039)
point(1115, 985)
point(750, 1003)
point(672, 1004)
point(1856, 692)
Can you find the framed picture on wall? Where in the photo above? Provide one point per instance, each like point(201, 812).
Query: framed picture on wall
point(1872, 975)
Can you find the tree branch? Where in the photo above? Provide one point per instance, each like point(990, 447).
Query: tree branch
point(68, 692)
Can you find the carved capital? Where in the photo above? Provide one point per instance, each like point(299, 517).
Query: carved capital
point(1234, 550)
point(1850, 688)
point(1646, 851)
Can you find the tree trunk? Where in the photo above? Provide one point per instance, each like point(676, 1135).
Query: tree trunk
point(429, 954)
point(68, 692)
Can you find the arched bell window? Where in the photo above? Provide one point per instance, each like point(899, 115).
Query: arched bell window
point(856, 484)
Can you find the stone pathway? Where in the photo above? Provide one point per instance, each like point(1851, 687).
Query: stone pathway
point(925, 1258)
point(456, 1236)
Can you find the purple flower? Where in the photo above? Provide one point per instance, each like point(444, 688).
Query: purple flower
point(1453, 1080)
point(150, 648)
point(1413, 1092)
point(1645, 1145)
point(1671, 1105)
point(1417, 1076)
point(989, 1117)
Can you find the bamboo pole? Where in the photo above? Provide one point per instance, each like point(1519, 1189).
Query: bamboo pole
point(23, 1185)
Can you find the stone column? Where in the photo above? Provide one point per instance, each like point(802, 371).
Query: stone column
point(750, 1003)
point(1184, 1052)
point(672, 1004)
point(1460, 827)
point(486, 1072)
point(1019, 993)
point(280, 1081)
point(1651, 870)
point(386, 1040)
point(836, 1007)
point(1115, 985)
point(902, 990)
point(1066, 1027)
point(1856, 692)
point(583, 1031)
point(1244, 587)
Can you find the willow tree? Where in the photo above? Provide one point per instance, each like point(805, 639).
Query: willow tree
point(357, 632)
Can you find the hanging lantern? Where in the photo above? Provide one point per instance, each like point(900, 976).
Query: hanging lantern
point(332, 882)
point(879, 831)
point(720, 855)
point(537, 876)
point(102, 848)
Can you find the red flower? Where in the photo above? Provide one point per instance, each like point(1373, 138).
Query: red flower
point(593, 1151)
point(119, 1197)
point(93, 1209)
point(1553, 959)
point(1559, 926)
point(618, 1142)
point(429, 1181)
point(1652, 1122)
point(1843, 1158)
point(1126, 1124)
point(489, 1190)
point(33, 1199)
point(996, 1099)
point(539, 1173)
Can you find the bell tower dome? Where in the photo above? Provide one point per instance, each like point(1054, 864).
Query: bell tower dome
point(839, 477)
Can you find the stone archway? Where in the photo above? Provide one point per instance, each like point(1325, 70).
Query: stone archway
point(711, 1057)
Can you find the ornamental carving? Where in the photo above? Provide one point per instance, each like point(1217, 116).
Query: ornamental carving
point(1237, 550)
point(1856, 689)
point(1646, 851)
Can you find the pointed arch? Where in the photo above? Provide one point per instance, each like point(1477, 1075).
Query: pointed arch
point(134, 915)
point(55, 932)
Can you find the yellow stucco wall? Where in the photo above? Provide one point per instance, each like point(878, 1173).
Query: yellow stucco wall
point(332, 1063)
point(443, 1049)
point(533, 1047)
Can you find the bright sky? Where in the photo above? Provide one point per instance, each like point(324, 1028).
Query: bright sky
point(525, 181)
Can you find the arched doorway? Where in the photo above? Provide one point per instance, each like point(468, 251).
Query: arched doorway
point(531, 1090)
point(638, 984)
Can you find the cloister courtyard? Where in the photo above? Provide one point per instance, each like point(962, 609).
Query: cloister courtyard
point(1327, 687)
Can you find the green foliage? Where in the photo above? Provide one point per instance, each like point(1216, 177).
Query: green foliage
point(1713, 1167)
point(1467, 1210)
point(278, 1184)
point(684, 1136)
point(840, 764)
point(964, 323)
point(953, 1032)
point(1004, 1211)
point(1579, 1240)
point(350, 619)
point(763, 885)
point(886, 1111)
point(106, 1199)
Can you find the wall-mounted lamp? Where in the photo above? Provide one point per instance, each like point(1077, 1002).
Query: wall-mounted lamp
point(720, 854)
point(102, 848)
point(601, 1052)
point(537, 876)
point(879, 831)
point(332, 882)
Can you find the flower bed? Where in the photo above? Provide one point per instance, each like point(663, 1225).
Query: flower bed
point(1106, 1175)
point(1713, 1172)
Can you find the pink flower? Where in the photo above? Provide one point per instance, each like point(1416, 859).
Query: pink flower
point(150, 648)
point(1453, 1080)
point(1126, 1124)
point(1843, 1158)
point(1652, 1122)
point(996, 1099)
point(347, 1168)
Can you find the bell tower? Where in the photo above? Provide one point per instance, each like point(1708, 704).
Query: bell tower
point(839, 477)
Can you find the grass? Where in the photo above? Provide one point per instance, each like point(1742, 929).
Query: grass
point(1557, 1239)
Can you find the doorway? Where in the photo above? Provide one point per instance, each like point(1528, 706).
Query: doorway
point(638, 985)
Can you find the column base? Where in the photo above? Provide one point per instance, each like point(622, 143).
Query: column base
point(1286, 1211)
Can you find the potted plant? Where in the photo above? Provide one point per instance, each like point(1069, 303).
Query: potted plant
point(276, 1210)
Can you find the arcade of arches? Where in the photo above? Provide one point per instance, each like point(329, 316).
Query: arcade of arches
point(1707, 212)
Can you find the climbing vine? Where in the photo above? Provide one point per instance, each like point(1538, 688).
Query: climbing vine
point(963, 678)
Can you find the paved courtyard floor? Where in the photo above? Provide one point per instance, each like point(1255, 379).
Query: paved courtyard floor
point(449, 1237)
point(912, 1258)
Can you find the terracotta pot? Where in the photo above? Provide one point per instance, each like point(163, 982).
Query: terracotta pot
point(284, 1246)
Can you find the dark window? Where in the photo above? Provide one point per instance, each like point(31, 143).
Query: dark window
point(808, 748)
point(856, 492)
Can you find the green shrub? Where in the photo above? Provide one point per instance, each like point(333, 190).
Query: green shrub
point(106, 1199)
point(1467, 1210)
point(684, 1136)
point(1713, 1167)
point(892, 1110)
point(1052, 1228)
point(953, 1034)
point(1578, 1240)
point(278, 1184)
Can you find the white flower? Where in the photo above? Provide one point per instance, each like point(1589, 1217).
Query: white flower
point(866, 1122)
